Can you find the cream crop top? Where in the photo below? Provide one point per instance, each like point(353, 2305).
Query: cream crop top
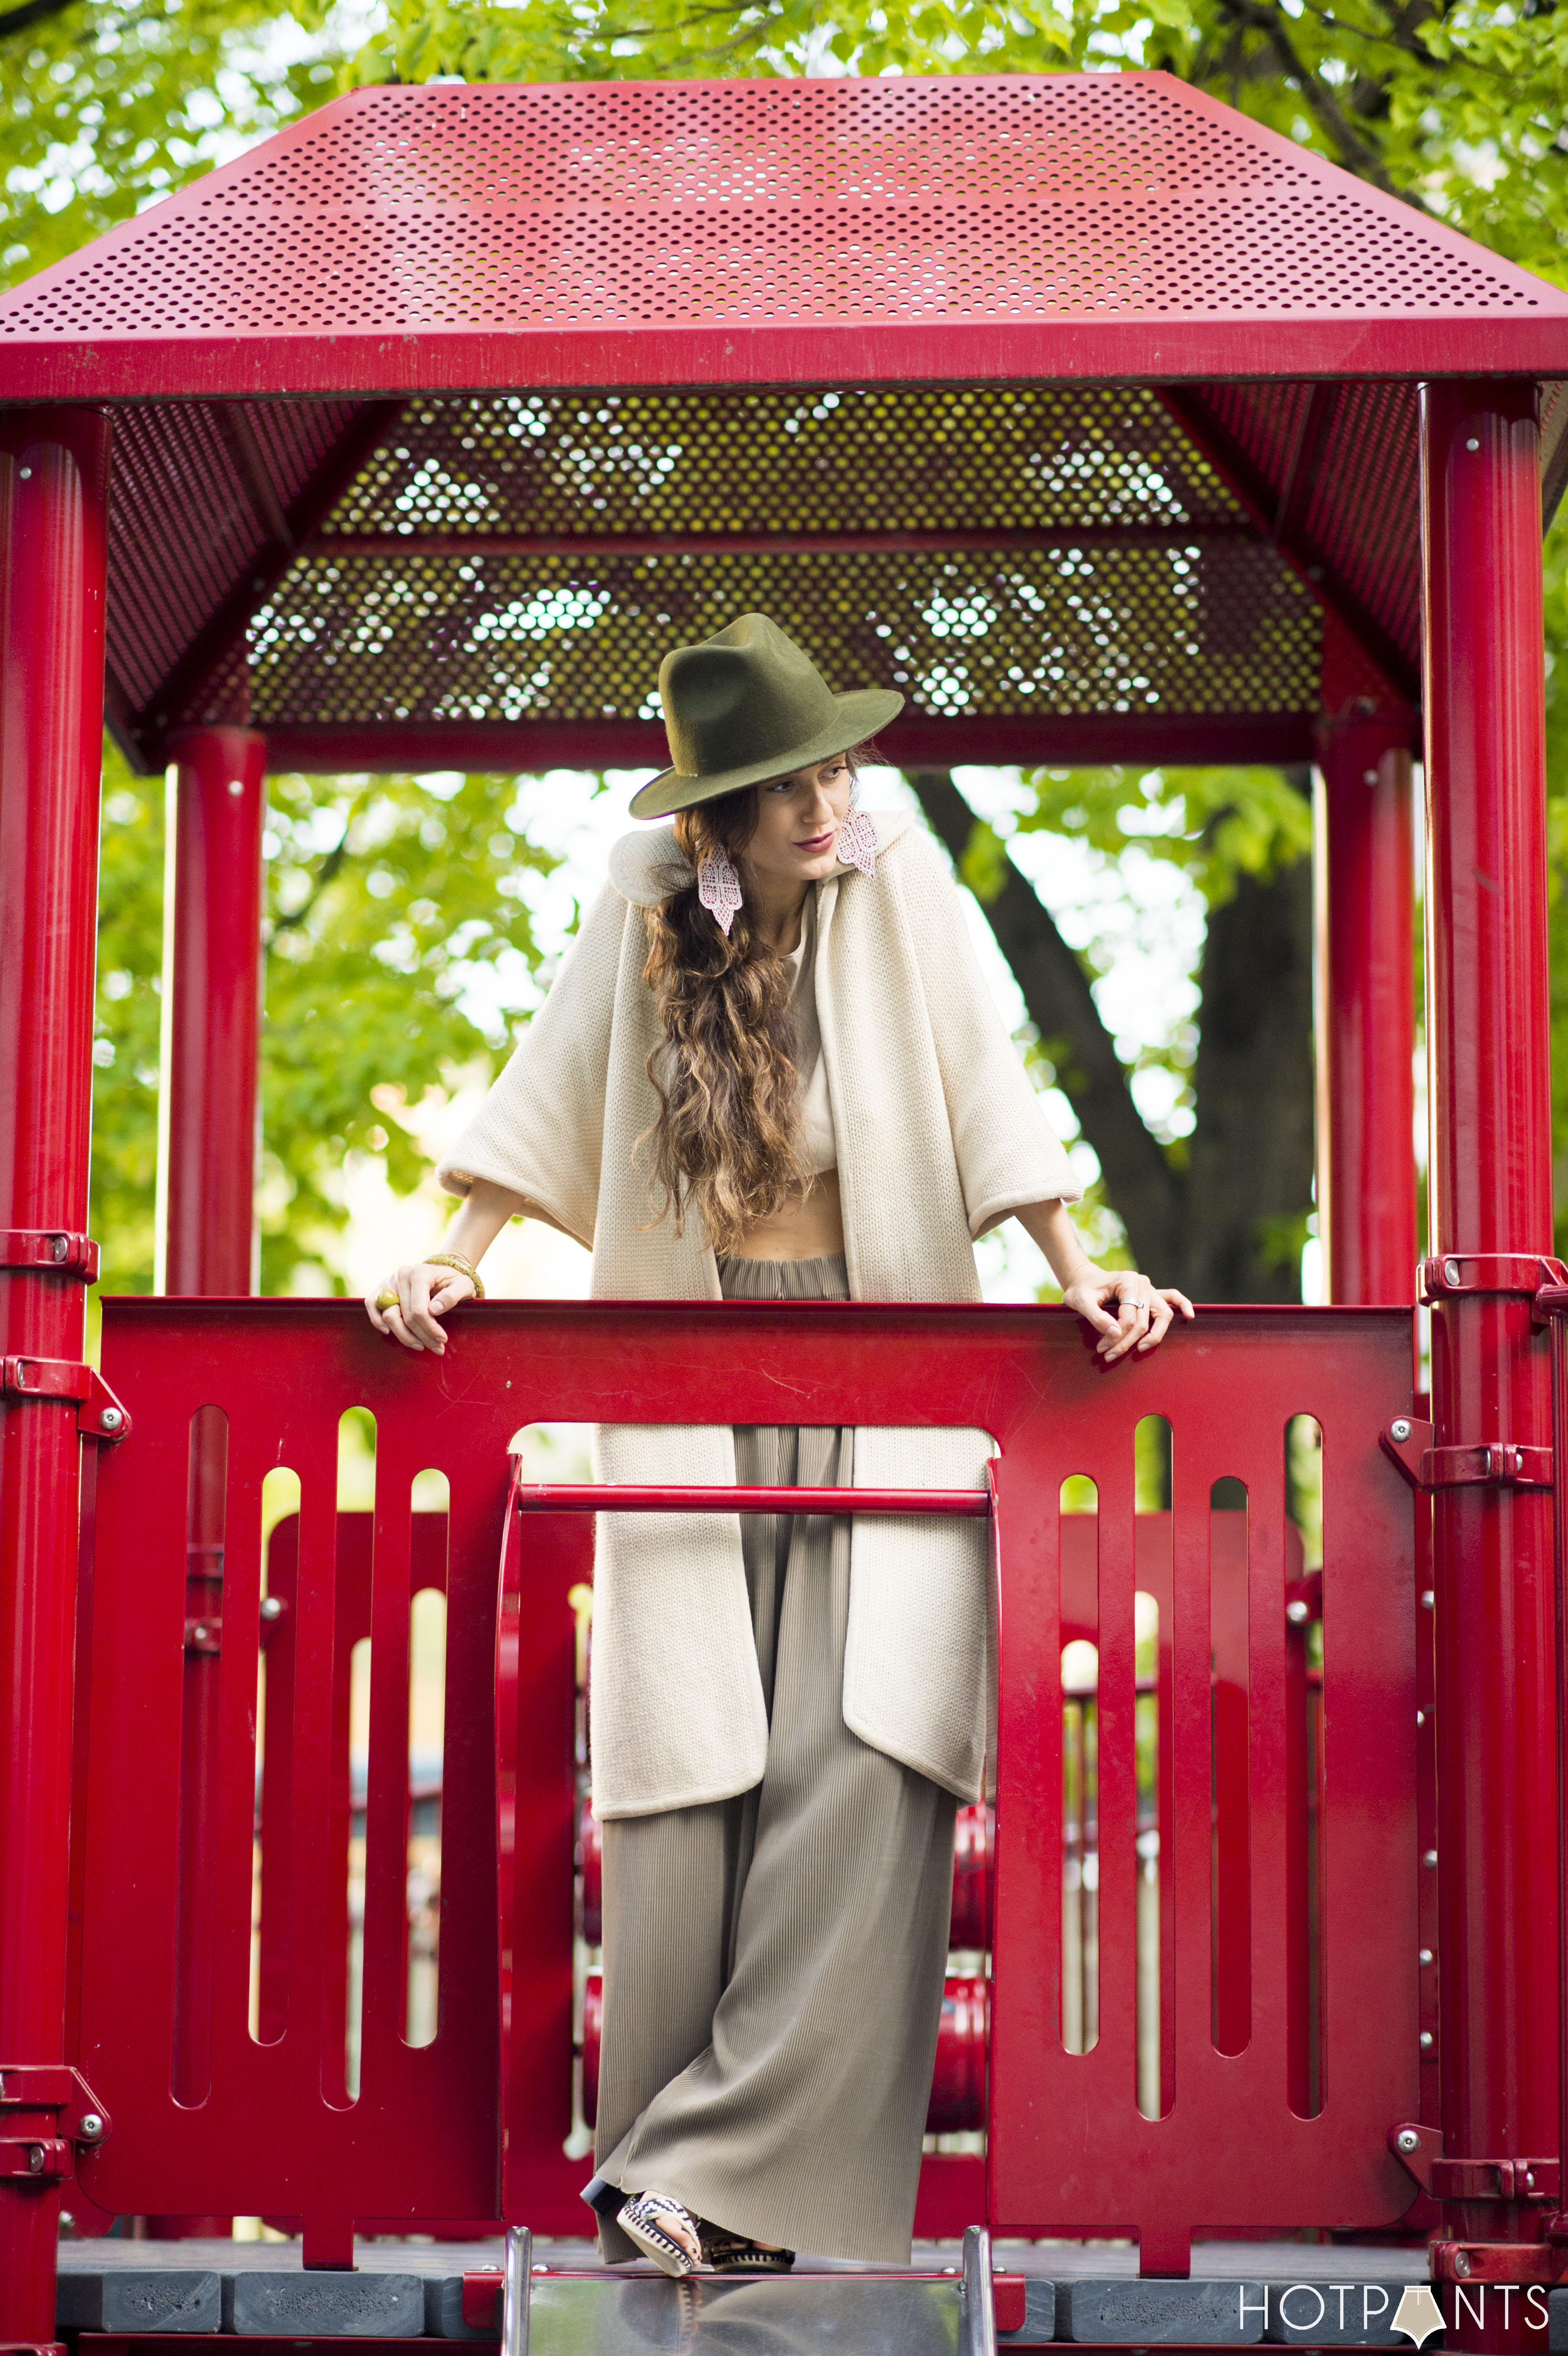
point(818, 1145)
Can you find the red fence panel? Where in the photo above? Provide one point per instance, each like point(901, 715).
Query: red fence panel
point(275, 2132)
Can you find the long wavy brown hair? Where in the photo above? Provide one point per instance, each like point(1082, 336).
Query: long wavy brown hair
point(724, 1142)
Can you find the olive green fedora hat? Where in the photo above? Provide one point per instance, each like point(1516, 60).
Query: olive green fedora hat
point(747, 705)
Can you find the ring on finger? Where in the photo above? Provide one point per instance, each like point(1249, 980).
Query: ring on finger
point(386, 1298)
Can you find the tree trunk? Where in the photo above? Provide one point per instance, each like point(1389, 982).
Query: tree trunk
point(1250, 1185)
point(1230, 1226)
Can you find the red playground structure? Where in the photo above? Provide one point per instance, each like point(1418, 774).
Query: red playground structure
point(1111, 428)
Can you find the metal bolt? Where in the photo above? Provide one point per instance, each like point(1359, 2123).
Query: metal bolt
point(271, 1607)
point(1295, 1611)
point(1471, 445)
point(1421, 1717)
point(112, 1418)
point(1430, 1857)
point(1451, 1272)
point(1427, 1599)
point(199, 1633)
point(34, 2159)
point(1427, 2041)
point(1426, 1955)
point(1529, 2179)
point(58, 1247)
point(92, 2125)
point(24, 474)
point(235, 787)
point(1407, 2139)
point(67, 2220)
point(1462, 2258)
point(1400, 1427)
point(1369, 776)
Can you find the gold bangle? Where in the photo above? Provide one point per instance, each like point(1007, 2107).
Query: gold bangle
point(463, 1266)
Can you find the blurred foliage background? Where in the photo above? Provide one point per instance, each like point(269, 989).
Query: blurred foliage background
point(383, 894)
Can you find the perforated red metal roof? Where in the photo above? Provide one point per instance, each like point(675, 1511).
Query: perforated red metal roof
point(1102, 225)
point(1067, 404)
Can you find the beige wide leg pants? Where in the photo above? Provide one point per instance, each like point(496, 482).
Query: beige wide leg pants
point(773, 1962)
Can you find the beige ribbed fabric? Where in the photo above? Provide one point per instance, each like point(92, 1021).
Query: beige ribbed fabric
point(773, 1962)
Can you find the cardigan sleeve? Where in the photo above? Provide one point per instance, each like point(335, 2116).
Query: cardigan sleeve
point(1008, 1153)
point(540, 1131)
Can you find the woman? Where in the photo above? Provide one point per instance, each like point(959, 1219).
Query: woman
point(770, 1069)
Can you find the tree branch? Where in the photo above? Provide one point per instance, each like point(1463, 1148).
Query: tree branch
point(1147, 1194)
point(1356, 153)
point(31, 12)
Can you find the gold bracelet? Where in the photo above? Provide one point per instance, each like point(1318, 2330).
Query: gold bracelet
point(463, 1266)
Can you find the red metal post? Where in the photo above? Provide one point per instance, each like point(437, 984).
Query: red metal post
point(54, 477)
point(1490, 1181)
point(213, 981)
point(1365, 1167)
point(206, 1173)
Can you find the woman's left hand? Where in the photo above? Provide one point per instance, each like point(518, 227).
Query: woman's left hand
point(1142, 1311)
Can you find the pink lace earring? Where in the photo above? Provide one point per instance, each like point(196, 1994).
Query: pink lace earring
point(858, 837)
point(719, 889)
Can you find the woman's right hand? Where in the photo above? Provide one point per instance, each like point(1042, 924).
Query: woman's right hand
point(425, 1293)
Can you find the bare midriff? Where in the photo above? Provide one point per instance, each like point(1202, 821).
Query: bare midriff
point(809, 1226)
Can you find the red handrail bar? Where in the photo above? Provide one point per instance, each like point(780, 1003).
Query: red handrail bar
point(637, 1497)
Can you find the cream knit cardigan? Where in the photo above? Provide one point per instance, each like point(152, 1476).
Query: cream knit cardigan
point(940, 1136)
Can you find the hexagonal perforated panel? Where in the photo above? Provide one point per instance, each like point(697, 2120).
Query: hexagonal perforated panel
point(1005, 198)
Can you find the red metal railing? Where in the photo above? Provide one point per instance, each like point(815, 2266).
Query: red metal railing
point(1238, 2143)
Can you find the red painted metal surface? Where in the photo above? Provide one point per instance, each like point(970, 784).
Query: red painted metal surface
point(54, 481)
point(1027, 226)
point(274, 2137)
point(215, 986)
point(1366, 1152)
point(1068, 2142)
point(206, 1183)
point(1490, 1191)
point(630, 1498)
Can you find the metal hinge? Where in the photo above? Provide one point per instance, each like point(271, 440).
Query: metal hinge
point(1495, 2179)
point(1485, 1464)
point(1456, 1273)
point(99, 1414)
point(57, 1250)
point(79, 2118)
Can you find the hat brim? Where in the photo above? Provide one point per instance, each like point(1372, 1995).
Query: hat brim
point(859, 714)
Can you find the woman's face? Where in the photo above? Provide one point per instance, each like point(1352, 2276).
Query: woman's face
point(798, 818)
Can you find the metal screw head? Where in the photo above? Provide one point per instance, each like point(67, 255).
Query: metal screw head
point(92, 2125)
point(271, 1607)
point(1462, 2258)
point(34, 2159)
point(1427, 2041)
point(24, 474)
point(67, 2220)
point(1369, 776)
point(1471, 444)
point(199, 1633)
point(1400, 1427)
point(58, 1247)
point(235, 787)
point(112, 1418)
point(1426, 1955)
point(1451, 1272)
point(1407, 2139)
point(1430, 1857)
point(1427, 1599)
point(1295, 1611)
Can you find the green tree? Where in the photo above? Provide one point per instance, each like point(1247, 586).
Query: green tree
point(386, 899)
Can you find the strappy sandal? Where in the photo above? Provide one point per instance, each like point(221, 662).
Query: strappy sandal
point(646, 2219)
point(735, 2253)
